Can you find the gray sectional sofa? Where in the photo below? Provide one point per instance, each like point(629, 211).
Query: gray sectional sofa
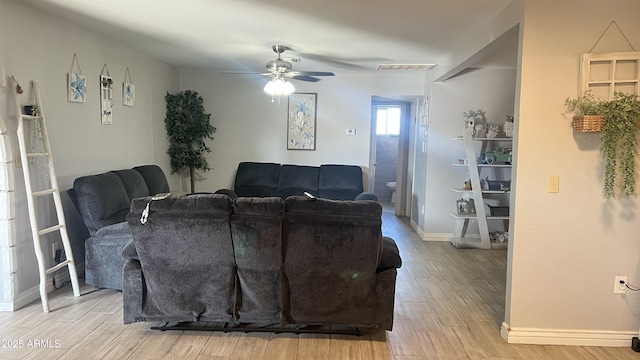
point(103, 201)
point(251, 260)
point(330, 181)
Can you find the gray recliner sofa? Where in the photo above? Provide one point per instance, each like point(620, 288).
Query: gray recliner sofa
point(103, 201)
point(329, 181)
point(208, 258)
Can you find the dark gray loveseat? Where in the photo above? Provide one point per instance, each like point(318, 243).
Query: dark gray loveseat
point(209, 258)
point(103, 201)
point(329, 181)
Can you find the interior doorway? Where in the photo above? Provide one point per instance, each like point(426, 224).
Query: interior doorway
point(389, 152)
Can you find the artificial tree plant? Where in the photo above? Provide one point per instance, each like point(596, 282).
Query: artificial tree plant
point(188, 127)
point(619, 143)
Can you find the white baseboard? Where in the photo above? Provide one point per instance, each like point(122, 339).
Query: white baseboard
point(436, 237)
point(537, 336)
point(416, 228)
point(33, 294)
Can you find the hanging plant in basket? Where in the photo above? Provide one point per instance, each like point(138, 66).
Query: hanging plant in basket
point(619, 143)
point(587, 112)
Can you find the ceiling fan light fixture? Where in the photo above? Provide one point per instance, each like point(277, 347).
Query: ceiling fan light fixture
point(279, 86)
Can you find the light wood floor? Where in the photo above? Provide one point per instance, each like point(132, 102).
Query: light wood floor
point(449, 305)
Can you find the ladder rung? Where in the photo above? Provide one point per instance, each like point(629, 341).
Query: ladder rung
point(37, 154)
point(50, 229)
point(58, 267)
point(31, 117)
point(44, 192)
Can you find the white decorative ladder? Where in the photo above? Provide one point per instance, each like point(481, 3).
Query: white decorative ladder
point(38, 131)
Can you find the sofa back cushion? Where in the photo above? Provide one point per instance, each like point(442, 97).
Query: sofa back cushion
point(331, 251)
point(101, 199)
point(339, 182)
point(256, 230)
point(296, 179)
point(155, 178)
point(133, 183)
point(186, 256)
point(257, 179)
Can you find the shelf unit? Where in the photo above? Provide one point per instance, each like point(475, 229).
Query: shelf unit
point(460, 239)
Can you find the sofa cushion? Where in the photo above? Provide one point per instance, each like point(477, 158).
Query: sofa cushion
point(256, 228)
point(295, 180)
point(178, 277)
point(257, 179)
point(102, 200)
point(133, 182)
point(103, 259)
point(155, 178)
point(331, 252)
point(339, 182)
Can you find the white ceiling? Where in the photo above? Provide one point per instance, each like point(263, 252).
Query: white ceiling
point(238, 34)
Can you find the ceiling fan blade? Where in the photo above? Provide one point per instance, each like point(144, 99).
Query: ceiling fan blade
point(239, 72)
point(304, 78)
point(310, 73)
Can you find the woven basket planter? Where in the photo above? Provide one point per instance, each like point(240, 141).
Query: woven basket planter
point(588, 123)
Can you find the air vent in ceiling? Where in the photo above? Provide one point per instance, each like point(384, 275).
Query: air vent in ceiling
point(406, 67)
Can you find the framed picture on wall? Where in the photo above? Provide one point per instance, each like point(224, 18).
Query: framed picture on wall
point(301, 122)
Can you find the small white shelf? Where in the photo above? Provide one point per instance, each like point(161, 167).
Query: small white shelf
point(475, 216)
point(483, 191)
point(475, 243)
point(484, 165)
point(486, 138)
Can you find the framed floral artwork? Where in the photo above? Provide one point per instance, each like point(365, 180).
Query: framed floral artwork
point(301, 123)
point(76, 82)
point(77, 86)
point(128, 90)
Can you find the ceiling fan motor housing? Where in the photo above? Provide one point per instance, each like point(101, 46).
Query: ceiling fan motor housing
point(279, 65)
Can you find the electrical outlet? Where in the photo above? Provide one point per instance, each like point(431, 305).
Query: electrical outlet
point(55, 247)
point(619, 285)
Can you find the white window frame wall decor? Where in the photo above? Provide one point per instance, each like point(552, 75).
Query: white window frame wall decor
point(106, 96)
point(606, 73)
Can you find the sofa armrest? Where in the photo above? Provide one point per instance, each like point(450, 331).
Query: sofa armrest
point(366, 196)
point(129, 252)
point(132, 289)
point(390, 255)
point(229, 193)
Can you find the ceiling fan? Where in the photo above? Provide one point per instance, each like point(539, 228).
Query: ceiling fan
point(280, 68)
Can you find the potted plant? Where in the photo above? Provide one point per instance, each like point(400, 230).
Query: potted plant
point(619, 143)
point(587, 112)
point(188, 127)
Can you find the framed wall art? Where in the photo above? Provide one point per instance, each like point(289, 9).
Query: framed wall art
point(77, 83)
point(301, 122)
point(106, 96)
point(128, 90)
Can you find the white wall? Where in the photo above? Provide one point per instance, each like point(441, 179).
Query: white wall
point(492, 90)
point(252, 128)
point(39, 46)
point(568, 246)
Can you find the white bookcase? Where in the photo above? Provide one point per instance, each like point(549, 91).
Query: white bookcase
point(498, 171)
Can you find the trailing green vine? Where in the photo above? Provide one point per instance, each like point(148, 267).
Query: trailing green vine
point(619, 144)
